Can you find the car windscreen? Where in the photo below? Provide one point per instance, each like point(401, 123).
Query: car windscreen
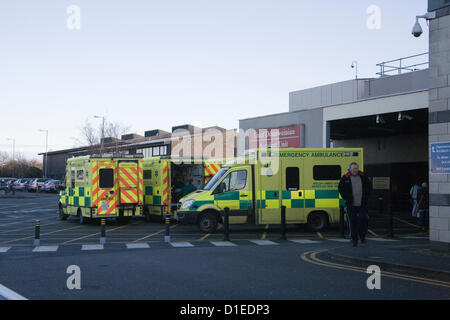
point(216, 178)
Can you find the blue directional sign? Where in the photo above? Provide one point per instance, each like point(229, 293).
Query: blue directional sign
point(440, 157)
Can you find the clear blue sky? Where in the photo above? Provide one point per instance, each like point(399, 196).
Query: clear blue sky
point(156, 64)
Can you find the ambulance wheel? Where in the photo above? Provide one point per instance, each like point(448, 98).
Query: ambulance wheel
point(317, 221)
point(208, 222)
point(61, 214)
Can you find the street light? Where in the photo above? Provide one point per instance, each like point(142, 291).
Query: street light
point(103, 132)
point(13, 153)
point(46, 145)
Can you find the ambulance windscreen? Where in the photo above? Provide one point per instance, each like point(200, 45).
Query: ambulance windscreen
point(216, 178)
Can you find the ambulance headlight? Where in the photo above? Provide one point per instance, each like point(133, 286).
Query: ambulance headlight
point(187, 204)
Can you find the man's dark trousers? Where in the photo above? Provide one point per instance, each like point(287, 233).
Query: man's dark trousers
point(358, 221)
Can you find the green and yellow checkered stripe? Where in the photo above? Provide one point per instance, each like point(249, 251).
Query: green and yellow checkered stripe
point(149, 195)
point(76, 197)
point(269, 199)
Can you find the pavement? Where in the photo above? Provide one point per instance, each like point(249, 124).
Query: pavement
point(411, 255)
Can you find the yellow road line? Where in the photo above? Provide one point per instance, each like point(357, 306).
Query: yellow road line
point(204, 237)
point(411, 224)
point(263, 237)
point(93, 234)
point(313, 259)
point(153, 234)
point(42, 234)
point(320, 235)
point(372, 233)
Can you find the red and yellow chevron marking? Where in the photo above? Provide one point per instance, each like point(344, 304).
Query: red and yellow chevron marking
point(165, 185)
point(128, 183)
point(141, 185)
point(211, 168)
point(94, 185)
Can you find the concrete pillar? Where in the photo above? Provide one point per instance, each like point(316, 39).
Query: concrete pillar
point(439, 124)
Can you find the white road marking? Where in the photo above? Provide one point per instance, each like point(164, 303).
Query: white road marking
point(45, 249)
point(415, 237)
point(264, 242)
point(92, 247)
point(223, 243)
point(4, 249)
point(382, 239)
point(143, 245)
point(305, 241)
point(9, 294)
point(181, 244)
point(338, 240)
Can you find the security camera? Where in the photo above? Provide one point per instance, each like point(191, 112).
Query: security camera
point(417, 29)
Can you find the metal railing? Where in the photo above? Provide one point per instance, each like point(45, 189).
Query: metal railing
point(402, 64)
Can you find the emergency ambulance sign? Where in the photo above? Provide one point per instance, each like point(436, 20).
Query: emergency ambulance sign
point(440, 157)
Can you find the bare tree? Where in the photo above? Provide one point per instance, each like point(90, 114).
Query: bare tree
point(90, 136)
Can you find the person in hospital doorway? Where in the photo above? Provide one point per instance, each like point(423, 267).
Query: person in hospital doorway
point(355, 189)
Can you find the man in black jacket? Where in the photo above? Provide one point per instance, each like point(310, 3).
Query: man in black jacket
point(355, 189)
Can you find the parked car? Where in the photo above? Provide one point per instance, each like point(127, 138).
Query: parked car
point(20, 184)
point(36, 184)
point(53, 186)
point(3, 188)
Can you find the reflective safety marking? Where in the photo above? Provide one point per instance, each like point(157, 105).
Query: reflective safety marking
point(264, 242)
point(415, 237)
point(223, 243)
point(45, 249)
point(382, 239)
point(92, 247)
point(181, 244)
point(142, 245)
point(9, 294)
point(305, 241)
point(4, 249)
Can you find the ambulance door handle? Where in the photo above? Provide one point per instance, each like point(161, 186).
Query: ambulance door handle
point(299, 193)
point(244, 195)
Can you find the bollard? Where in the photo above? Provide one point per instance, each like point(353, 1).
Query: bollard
point(226, 224)
point(103, 231)
point(283, 223)
point(37, 233)
point(342, 222)
point(167, 236)
point(391, 223)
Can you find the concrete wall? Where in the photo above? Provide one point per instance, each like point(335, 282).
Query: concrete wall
point(348, 92)
point(439, 127)
point(312, 119)
point(390, 149)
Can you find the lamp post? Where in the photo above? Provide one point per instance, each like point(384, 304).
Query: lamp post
point(13, 153)
point(103, 132)
point(46, 148)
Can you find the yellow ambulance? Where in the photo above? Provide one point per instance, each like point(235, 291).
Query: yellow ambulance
point(164, 179)
point(305, 181)
point(102, 187)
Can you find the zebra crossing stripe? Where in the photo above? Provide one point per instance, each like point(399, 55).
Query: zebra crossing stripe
point(4, 249)
point(92, 247)
point(304, 241)
point(382, 239)
point(339, 240)
point(45, 249)
point(223, 243)
point(181, 244)
point(143, 245)
point(264, 242)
